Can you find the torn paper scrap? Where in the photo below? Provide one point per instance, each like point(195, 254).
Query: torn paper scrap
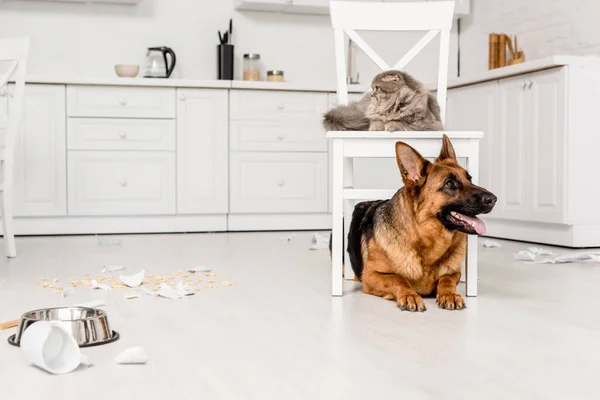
point(96, 285)
point(288, 238)
point(134, 280)
point(133, 355)
point(68, 292)
point(112, 268)
point(491, 244)
point(524, 255)
point(199, 268)
point(319, 242)
point(132, 296)
point(540, 251)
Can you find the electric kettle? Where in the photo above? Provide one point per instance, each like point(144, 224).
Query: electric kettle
point(157, 64)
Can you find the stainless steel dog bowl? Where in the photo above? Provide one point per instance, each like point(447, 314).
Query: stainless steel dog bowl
point(89, 325)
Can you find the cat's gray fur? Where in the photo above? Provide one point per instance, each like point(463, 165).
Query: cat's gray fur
point(396, 102)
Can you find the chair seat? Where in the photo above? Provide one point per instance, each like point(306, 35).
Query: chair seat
point(404, 135)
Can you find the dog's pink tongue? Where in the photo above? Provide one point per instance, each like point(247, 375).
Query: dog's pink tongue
point(475, 222)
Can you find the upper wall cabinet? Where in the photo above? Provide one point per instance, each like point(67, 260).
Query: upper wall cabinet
point(462, 7)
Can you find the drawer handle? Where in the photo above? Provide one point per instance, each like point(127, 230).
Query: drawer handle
point(523, 84)
point(182, 97)
point(123, 135)
point(529, 84)
point(123, 182)
point(280, 183)
point(280, 137)
point(123, 102)
point(280, 106)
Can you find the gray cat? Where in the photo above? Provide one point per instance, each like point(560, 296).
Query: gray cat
point(396, 102)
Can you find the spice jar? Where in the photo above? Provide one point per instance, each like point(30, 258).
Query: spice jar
point(275, 76)
point(252, 67)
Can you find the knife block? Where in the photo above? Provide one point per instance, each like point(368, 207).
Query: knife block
point(225, 62)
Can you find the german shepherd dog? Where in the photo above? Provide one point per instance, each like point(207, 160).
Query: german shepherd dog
point(412, 245)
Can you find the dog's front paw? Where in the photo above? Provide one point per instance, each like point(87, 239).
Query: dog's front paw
point(450, 301)
point(411, 302)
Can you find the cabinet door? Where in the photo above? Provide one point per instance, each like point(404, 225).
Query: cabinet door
point(202, 177)
point(546, 144)
point(475, 108)
point(512, 152)
point(40, 177)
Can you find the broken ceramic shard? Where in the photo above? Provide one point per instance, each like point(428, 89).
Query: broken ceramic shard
point(96, 285)
point(133, 355)
point(183, 289)
point(491, 244)
point(134, 280)
point(199, 268)
point(524, 255)
point(68, 292)
point(112, 268)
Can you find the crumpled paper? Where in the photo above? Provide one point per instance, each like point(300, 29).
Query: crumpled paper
point(319, 242)
point(133, 355)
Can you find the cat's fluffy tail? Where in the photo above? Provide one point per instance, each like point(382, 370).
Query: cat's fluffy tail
point(346, 118)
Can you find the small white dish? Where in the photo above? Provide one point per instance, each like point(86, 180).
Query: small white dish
point(127, 70)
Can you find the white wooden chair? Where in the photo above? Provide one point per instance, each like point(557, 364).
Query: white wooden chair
point(435, 18)
point(13, 61)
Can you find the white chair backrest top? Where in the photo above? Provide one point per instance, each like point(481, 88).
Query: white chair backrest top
point(433, 17)
point(14, 53)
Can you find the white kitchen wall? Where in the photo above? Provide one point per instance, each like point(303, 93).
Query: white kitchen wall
point(86, 40)
point(545, 27)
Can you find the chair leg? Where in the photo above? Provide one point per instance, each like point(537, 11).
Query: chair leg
point(471, 266)
point(7, 224)
point(337, 228)
point(348, 210)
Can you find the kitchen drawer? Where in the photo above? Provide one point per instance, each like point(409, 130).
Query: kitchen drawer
point(275, 105)
point(278, 182)
point(277, 136)
point(121, 102)
point(120, 134)
point(121, 183)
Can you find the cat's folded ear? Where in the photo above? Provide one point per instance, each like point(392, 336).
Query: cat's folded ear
point(447, 151)
point(413, 167)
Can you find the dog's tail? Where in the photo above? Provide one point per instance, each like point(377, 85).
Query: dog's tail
point(346, 118)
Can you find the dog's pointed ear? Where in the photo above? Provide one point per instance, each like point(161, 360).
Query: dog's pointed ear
point(447, 150)
point(411, 164)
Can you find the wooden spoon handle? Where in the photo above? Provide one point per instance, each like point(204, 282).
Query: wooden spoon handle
point(9, 324)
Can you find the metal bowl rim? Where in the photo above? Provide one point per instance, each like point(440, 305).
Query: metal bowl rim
point(101, 314)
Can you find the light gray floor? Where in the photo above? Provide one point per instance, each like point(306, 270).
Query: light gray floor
point(533, 332)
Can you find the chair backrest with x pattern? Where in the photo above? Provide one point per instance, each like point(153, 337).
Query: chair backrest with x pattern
point(433, 17)
point(13, 52)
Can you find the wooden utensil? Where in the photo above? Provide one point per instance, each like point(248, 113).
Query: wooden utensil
point(9, 324)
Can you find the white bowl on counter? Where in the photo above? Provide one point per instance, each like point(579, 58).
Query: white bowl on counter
point(127, 70)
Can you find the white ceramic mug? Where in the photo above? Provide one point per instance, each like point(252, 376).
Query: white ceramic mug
point(50, 346)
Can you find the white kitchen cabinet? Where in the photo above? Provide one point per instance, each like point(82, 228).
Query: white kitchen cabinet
point(475, 108)
point(40, 187)
point(121, 183)
point(266, 183)
point(547, 144)
point(513, 121)
point(262, 5)
point(202, 151)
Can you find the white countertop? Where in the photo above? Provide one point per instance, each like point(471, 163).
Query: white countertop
point(191, 83)
point(526, 67)
point(529, 66)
